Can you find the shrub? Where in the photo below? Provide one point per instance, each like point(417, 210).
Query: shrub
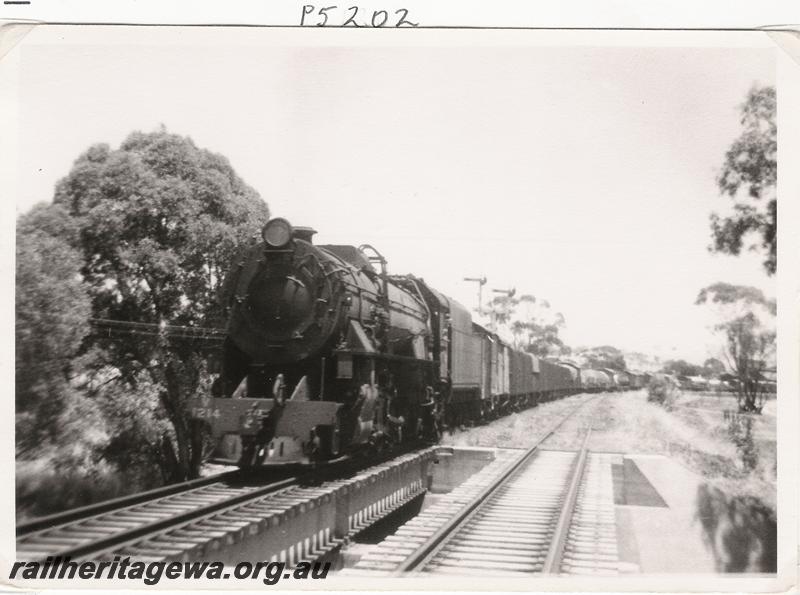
point(43, 488)
point(662, 390)
point(740, 429)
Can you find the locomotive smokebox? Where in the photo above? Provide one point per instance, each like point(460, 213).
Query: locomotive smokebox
point(280, 305)
point(285, 303)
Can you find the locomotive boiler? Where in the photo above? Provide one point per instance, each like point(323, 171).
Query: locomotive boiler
point(325, 353)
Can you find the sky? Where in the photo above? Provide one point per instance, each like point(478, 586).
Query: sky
point(581, 172)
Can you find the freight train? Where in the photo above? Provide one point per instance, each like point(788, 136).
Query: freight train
point(326, 354)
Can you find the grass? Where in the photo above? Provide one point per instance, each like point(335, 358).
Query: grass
point(518, 430)
point(693, 431)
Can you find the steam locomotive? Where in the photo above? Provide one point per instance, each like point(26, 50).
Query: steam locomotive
point(327, 354)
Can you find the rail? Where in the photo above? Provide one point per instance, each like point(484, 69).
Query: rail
point(96, 532)
point(76, 514)
point(417, 560)
point(555, 553)
point(297, 518)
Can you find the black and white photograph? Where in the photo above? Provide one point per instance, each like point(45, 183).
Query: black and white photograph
point(410, 309)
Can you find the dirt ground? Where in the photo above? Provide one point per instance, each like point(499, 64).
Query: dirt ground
point(694, 432)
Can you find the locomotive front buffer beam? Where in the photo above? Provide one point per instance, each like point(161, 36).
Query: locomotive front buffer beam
point(290, 431)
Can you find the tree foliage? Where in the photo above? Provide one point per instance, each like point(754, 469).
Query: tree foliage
point(159, 219)
point(748, 177)
point(747, 329)
point(748, 348)
point(604, 356)
point(681, 368)
point(52, 309)
point(532, 323)
point(713, 367)
point(154, 225)
point(728, 295)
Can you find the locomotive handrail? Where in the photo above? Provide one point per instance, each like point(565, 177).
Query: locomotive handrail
point(378, 256)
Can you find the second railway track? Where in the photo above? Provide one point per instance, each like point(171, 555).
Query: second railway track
point(548, 512)
point(517, 528)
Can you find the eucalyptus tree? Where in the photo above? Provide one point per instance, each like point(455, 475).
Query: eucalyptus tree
point(748, 177)
point(158, 221)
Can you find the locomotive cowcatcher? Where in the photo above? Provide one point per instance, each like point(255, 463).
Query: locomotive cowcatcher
point(325, 353)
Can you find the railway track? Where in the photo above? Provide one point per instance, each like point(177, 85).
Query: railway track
point(223, 518)
point(522, 525)
point(538, 512)
point(548, 512)
point(75, 514)
point(93, 529)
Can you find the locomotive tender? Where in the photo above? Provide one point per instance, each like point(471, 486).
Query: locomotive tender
point(327, 354)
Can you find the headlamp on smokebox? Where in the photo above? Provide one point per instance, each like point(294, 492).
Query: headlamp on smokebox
point(277, 233)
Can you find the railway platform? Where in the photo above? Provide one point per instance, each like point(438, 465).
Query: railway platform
point(666, 536)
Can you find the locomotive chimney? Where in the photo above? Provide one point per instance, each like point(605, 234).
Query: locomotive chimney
point(304, 233)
